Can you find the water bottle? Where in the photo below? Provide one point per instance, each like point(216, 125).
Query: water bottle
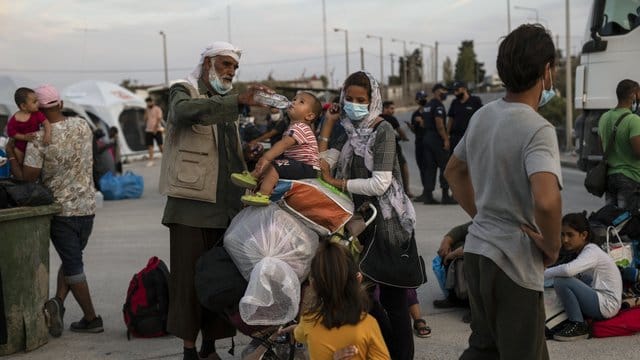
point(272, 100)
point(99, 200)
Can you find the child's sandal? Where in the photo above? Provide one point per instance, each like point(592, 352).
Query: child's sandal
point(421, 329)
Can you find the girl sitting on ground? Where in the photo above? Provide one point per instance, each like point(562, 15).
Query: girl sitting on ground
point(337, 316)
point(590, 285)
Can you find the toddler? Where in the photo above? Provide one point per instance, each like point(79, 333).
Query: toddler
point(298, 148)
point(24, 124)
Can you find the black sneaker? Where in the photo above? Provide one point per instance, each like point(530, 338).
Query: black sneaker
point(420, 198)
point(54, 314)
point(466, 318)
point(445, 304)
point(85, 326)
point(448, 200)
point(572, 331)
point(429, 200)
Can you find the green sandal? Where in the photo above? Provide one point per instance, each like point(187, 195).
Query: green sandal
point(244, 179)
point(257, 199)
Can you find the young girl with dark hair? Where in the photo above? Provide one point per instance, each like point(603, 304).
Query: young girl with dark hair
point(590, 285)
point(337, 316)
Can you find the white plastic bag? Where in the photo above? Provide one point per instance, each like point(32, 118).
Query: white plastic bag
point(273, 294)
point(273, 251)
point(259, 232)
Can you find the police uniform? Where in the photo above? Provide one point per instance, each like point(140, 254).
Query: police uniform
point(435, 156)
point(461, 113)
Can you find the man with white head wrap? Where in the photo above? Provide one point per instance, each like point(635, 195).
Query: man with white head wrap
point(202, 150)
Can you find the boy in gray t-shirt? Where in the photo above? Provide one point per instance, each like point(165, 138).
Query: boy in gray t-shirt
point(505, 173)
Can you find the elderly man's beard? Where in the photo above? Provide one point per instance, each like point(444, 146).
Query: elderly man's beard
point(220, 85)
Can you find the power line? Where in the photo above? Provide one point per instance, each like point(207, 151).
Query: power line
point(147, 70)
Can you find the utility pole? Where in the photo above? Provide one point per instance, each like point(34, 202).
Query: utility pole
point(508, 17)
point(568, 69)
point(362, 58)
point(324, 40)
point(405, 68)
point(229, 23)
point(346, 48)
point(381, 56)
point(164, 50)
point(436, 62)
point(392, 59)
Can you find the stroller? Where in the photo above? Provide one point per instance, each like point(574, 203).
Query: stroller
point(272, 249)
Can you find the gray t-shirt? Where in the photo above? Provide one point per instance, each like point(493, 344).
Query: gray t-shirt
point(504, 145)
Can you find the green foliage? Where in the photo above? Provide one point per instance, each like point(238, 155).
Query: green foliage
point(447, 72)
point(467, 68)
point(554, 111)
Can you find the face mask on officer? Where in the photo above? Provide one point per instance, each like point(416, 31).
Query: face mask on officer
point(443, 96)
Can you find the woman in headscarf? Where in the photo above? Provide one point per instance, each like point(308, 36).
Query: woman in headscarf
point(368, 168)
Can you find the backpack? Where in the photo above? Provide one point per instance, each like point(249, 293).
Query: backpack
point(147, 304)
point(218, 282)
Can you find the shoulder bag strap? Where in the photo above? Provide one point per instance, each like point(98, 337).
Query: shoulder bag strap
point(612, 137)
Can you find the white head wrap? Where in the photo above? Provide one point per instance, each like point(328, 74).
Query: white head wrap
point(214, 49)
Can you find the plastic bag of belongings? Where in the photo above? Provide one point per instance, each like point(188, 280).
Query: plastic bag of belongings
point(273, 251)
point(320, 206)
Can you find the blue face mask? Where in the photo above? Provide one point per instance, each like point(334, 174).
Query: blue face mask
point(546, 95)
point(356, 111)
point(216, 84)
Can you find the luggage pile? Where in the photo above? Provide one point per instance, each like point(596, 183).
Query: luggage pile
point(271, 249)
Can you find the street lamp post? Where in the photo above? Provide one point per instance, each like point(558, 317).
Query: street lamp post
point(569, 81)
point(346, 48)
point(529, 9)
point(164, 50)
point(381, 56)
point(422, 46)
point(405, 83)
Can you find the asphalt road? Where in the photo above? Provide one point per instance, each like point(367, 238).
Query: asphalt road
point(126, 233)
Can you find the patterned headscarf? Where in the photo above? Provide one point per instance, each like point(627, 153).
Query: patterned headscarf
point(361, 137)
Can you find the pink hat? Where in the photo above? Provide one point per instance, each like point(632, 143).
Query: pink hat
point(47, 95)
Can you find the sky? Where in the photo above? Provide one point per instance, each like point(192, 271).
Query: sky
point(65, 41)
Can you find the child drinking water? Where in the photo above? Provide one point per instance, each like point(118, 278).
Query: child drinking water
point(298, 148)
point(24, 124)
point(590, 285)
point(337, 316)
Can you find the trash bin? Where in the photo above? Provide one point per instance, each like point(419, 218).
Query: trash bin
point(24, 273)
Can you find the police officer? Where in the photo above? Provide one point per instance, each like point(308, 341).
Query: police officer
point(417, 127)
point(436, 145)
point(460, 111)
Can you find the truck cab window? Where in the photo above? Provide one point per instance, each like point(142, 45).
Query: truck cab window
point(620, 17)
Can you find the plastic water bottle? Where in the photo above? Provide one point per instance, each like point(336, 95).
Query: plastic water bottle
point(99, 200)
point(272, 100)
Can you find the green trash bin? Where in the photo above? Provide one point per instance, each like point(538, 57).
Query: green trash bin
point(24, 268)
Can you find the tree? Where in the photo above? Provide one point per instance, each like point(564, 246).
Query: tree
point(414, 66)
point(447, 72)
point(468, 69)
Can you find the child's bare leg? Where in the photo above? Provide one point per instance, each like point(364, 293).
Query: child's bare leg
point(19, 156)
point(269, 180)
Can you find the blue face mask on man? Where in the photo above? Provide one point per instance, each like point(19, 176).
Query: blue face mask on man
point(356, 111)
point(547, 95)
point(216, 83)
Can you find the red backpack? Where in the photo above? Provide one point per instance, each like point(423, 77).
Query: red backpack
point(147, 304)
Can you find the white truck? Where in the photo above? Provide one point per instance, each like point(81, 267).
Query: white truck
point(611, 53)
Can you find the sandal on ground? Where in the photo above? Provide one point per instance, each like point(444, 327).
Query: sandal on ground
point(421, 329)
point(244, 179)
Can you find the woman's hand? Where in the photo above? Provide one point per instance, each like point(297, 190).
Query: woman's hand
point(445, 246)
point(345, 353)
point(333, 114)
point(325, 171)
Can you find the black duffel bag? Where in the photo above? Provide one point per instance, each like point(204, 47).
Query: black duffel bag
point(15, 193)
